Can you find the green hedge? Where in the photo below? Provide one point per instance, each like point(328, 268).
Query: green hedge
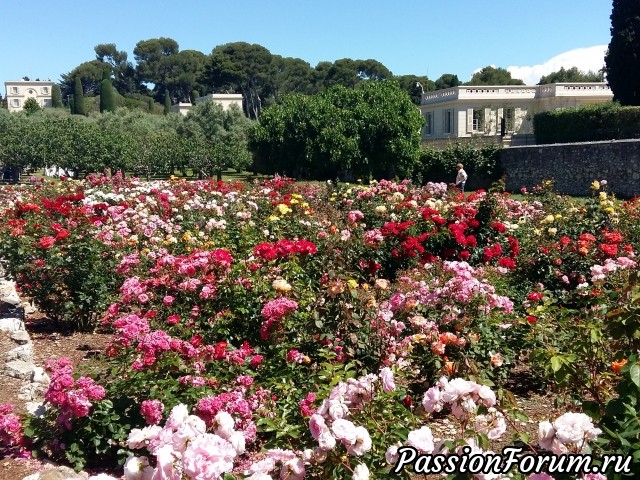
point(481, 162)
point(589, 123)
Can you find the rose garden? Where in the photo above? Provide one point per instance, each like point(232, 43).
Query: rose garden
point(276, 329)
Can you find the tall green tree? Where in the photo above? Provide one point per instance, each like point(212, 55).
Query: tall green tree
point(415, 85)
point(243, 68)
point(292, 75)
point(622, 61)
point(493, 76)
point(167, 102)
point(79, 107)
point(151, 65)
point(217, 138)
point(447, 80)
point(90, 73)
point(107, 95)
point(125, 80)
point(571, 75)
point(370, 131)
point(349, 73)
point(56, 96)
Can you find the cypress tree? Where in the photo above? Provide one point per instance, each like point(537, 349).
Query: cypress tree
point(194, 94)
point(167, 102)
point(622, 61)
point(78, 98)
point(56, 96)
point(107, 99)
point(71, 103)
point(151, 104)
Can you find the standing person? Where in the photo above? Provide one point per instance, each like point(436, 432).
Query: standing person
point(461, 178)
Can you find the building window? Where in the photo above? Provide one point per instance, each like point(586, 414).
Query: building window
point(32, 92)
point(15, 102)
point(45, 90)
point(428, 123)
point(14, 90)
point(509, 118)
point(477, 120)
point(447, 126)
point(46, 102)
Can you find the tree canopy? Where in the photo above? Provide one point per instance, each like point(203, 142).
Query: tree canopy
point(447, 80)
point(622, 61)
point(493, 76)
point(371, 131)
point(572, 75)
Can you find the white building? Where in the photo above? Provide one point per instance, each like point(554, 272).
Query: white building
point(224, 99)
point(18, 91)
point(491, 111)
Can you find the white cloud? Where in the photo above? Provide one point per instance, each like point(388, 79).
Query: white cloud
point(590, 58)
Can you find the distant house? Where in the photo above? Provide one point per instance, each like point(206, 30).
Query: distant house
point(224, 99)
point(18, 91)
point(500, 111)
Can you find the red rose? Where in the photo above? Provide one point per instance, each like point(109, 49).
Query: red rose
point(47, 242)
point(534, 296)
point(609, 250)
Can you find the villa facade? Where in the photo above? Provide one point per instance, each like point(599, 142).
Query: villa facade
point(224, 99)
point(501, 110)
point(18, 91)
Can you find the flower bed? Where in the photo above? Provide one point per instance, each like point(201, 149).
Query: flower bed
point(277, 330)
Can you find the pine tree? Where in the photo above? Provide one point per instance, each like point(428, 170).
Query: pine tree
point(107, 98)
point(78, 98)
point(56, 96)
point(167, 102)
point(622, 61)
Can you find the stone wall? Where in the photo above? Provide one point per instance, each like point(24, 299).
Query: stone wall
point(574, 166)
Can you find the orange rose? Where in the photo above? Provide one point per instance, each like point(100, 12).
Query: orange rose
point(617, 365)
point(449, 368)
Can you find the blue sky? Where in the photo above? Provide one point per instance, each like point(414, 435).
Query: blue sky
point(44, 39)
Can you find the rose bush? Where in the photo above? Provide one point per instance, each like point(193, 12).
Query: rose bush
point(282, 330)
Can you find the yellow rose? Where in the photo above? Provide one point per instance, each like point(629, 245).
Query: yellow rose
point(552, 231)
point(281, 285)
point(595, 185)
point(352, 284)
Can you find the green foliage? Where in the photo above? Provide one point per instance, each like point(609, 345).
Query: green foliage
point(588, 123)
point(90, 73)
point(447, 80)
point(31, 106)
point(622, 61)
point(242, 67)
point(481, 162)
point(572, 75)
point(107, 99)
point(78, 98)
point(620, 422)
point(493, 76)
point(127, 140)
point(372, 131)
point(167, 102)
point(415, 85)
point(216, 139)
point(56, 96)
